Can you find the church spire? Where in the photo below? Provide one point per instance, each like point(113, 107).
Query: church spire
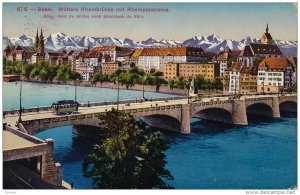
point(36, 44)
point(42, 32)
point(41, 45)
point(266, 38)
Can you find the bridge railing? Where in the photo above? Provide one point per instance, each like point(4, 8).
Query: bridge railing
point(89, 104)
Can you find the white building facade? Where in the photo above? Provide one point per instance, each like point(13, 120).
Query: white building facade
point(157, 57)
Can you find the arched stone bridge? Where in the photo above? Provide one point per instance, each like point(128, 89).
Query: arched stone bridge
point(175, 115)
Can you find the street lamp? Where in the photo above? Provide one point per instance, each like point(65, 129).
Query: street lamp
point(278, 86)
point(118, 93)
point(76, 90)
point(263, 85)
point(189, 92)
point(143, 87)
point(20, 110)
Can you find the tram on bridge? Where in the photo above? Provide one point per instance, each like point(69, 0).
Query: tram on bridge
point(64, 107)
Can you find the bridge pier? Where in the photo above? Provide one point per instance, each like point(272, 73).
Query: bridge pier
point(51, 172)
point(185, 119)
point(275, 107)
point(239, 115)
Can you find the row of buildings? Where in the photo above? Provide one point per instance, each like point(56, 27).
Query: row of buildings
point(272, 74)
point(237, 69)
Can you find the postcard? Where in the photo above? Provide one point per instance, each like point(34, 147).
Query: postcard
point(150, 96)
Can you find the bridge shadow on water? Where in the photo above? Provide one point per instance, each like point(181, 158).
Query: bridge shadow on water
point(199, 128)
point(206, 128)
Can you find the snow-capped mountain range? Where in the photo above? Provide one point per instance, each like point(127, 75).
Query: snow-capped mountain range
point(212, 43)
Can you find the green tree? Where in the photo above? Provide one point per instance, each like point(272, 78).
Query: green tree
point(209, 85)
point(95, 78)
point(126, 157)
point(171, 84)
point(52, 72)
point(229, 62)
point(257, 60)
point(26, 70)
point(44, 73)
point(132, 64)
point(217, 84)
point(200, 82)
point(181, 83)
point(103, 78)
point(35, 72)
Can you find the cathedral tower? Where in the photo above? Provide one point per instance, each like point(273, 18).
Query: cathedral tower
point(36, 44)
point(41, 45)
point(266, 38)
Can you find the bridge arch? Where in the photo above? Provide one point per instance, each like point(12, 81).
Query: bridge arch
point(288, 106)
point(214, 114)
point(261, 109)
point(163, 121)
point(38, 125)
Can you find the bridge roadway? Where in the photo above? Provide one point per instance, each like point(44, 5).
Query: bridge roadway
point(171, 115)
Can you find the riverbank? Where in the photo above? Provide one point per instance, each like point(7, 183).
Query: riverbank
point(136, 87)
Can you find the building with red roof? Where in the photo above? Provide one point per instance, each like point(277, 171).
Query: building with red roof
point(273, 73)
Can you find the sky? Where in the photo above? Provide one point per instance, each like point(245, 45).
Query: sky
point(182, 21)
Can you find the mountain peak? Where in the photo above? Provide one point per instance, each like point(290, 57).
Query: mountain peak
point(23, 36)
point(211, 43)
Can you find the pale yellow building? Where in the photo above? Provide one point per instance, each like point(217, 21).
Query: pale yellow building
point(172, 71)
point(226, 79)
point(248, 80)
point(109, 67)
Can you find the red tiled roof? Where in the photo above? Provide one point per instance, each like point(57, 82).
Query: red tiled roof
point(236, 66)
point(249, 70)
point(173, 51)
point(13, 52)
point(222, 56)
point(274, 63)
point(105, 48)
point(93, 54)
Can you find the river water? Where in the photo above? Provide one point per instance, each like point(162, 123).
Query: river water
point(262, 155)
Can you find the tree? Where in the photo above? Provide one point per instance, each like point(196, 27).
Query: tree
point(181, 83)
point(257, 60)
point(132, 64)
point(103, 78)
point(155, 72)
point(125, 156)
point(158, 81)
point(26, 70)
point(171, 84)
point(217, 84)
point(35, 72)
point(95, 78)
point(209, 85)
point(61, 73)
point(229, 62)
point(200, 82)
point(53, 71)
point(44, 73)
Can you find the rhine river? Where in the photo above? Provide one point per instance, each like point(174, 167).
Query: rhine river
point(262, 155)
